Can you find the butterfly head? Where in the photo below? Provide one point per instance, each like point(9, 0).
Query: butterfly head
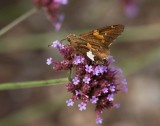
point(71, 37)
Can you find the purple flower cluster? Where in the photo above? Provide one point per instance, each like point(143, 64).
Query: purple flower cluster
point(51, 7)
point(94, 83)
point(130, 7)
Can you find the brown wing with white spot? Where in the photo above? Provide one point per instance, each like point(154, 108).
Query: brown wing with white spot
point(97, 41)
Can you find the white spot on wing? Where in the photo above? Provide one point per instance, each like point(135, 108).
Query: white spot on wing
point(90, 55)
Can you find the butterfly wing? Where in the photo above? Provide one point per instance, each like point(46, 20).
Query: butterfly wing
point(99, 40)
point(106, 35)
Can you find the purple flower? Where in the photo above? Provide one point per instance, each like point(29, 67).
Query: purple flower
point(88, 69)
point(70, 102)
point(57, 25)
point(105, 90)
point(51, 7)
point(112, 68)
point(49, 61)
point(119, 70)
point(131, 9)
point(78, 60)
point(75, 80)
point(96, 71)
point(82, 106)
point(125, 89)
point(99, 120)
point(104, 68)
point(61, 1)
point(112, 88)
point(86, 79)
point(117, 105)
point(101, 70)
point(94, 100)
point(110, 97)
point(111, 59)
point(77, 92)
point(57, 44)
point(124, 81)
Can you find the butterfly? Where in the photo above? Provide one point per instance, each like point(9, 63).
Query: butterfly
point(95, 44)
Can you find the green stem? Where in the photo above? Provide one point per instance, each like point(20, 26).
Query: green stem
point(17, 21)
point(30, 84)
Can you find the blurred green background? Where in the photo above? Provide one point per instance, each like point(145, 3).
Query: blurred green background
point(24, 49)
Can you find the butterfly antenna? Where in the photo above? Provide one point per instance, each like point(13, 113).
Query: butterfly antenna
point(60, 41)
point(63, 39)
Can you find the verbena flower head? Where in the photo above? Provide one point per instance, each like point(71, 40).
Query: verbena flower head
point(51, 7)
point(92, 83)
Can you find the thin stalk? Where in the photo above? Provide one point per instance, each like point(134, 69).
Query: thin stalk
point(17, 21)
point(30, 84)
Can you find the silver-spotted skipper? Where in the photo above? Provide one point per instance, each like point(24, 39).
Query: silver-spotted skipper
point(95, 44)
